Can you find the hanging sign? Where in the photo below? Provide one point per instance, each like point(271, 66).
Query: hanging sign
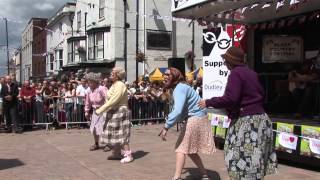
point(282, 49)
point(182, 4)
point(315, 146)
point(309, 143)
point(283, 141)
point(288, 140)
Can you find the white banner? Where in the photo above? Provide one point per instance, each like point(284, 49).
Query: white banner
point(288, 140)
point(315, 145)
point(215, 72)
point(182, 4)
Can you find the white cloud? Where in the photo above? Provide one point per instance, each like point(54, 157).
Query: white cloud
point(44, 6)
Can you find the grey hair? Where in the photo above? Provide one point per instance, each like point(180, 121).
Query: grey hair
point(120, 73)
point(93, 76)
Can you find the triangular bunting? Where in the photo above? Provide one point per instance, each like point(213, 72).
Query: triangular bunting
point(280, 4)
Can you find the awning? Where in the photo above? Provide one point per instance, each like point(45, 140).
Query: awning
point(248, 11)
point(156, 75)
point(194, 74)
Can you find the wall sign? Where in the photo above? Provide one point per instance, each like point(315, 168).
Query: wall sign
point(283, 49)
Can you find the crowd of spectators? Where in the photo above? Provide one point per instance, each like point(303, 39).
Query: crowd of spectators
point(56, 101)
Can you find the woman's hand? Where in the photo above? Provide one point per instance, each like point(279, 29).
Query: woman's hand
point(202, 103)
point(163, 134)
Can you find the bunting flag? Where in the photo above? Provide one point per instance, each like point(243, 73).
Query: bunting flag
point(201, 22)
point(294, 4)
point(266, 6)
point(254, 5)
point(243, 10)
point(280, 4)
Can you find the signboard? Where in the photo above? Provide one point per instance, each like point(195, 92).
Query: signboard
point(285, 140)
point(283, 49)
point(182, 4)
point(310, 146)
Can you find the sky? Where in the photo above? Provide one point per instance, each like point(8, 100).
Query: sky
point(18, 13)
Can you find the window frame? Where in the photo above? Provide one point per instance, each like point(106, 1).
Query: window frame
point(78, 20)
point(101, 8)
point(51, 62)
point(93, 46)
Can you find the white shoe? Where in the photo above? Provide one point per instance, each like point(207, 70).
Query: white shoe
point(127, 157)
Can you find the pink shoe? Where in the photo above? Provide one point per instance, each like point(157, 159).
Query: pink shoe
point(127, 157)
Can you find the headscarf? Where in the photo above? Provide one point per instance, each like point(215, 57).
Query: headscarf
point(177, 76)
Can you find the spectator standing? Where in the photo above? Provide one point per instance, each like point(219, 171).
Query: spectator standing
point(69, 101)
point(1, 101)
point(9, 93)
point(81, 92)
point(27, 95)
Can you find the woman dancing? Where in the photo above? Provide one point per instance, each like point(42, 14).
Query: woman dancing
point(196, 136)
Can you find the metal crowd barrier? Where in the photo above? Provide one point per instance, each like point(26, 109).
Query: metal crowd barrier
point(55, 112)
point(70, 113)
point(148, 110)
point(36, 112)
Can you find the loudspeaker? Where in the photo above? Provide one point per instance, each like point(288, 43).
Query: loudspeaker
point(177, 63)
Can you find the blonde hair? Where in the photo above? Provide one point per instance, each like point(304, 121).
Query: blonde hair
point(96, 77)
point(119, 72)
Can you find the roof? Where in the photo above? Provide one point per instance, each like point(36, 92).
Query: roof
point(220, 10)
point(61, 12)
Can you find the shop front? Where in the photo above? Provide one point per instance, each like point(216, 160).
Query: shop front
point(282, 41)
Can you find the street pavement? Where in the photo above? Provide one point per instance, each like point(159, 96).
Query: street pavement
point(65, 155)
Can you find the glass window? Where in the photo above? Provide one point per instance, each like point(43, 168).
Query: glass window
point(99, 45)
point(158, 40)
point(60, 58)
point(101, 8)
point(51, 61)
point(78, 20)
point(91, 46)
point(70, 58)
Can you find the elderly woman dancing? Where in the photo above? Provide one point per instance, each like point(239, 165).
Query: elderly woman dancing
point(117, 129)
point(249, 147)
point(94, 100)
point(196, 136)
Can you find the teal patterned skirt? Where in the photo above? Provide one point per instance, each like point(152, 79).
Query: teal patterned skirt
point(249, 148)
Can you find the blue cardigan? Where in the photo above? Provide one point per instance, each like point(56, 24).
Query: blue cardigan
point(186, 101)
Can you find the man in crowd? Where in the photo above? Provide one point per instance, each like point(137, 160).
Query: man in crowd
point(1, 101)
point(81, 93)
point(27, 95)
point(9, 93)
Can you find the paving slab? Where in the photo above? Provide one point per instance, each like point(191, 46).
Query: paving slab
point(64, 154)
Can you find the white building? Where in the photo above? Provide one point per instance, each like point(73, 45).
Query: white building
point(59, 29)
point(17, 60)
point(98, 39)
